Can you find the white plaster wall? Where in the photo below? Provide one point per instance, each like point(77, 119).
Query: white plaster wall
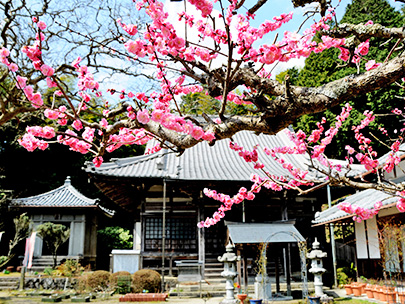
point(126, 260)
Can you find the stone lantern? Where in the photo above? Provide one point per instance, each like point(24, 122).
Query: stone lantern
point(229, 259)
point(317, 269)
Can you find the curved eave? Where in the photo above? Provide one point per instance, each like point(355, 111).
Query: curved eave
point(63, 196)
point(365, 199)
point(108, 212)
point(203, 162)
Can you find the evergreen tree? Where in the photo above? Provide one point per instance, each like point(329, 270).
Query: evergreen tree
point(53, 235)
point(325, 67)
point(198, 103)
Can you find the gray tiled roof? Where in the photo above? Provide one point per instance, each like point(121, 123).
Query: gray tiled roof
point(203, 162)
point(400, 153)
point(384, 158)
point(366, 199)
point(276, 232)
point(64, 196)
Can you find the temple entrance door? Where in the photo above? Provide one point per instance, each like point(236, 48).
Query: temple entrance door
point(215, 238)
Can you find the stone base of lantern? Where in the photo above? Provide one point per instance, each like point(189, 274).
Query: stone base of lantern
point(230, 301)
point(280, 297)
point(263, 287)
point(326, 299)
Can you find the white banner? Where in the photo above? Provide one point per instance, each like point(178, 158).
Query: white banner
point(29, 250)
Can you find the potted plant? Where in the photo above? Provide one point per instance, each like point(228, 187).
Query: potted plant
point(401, 294)
point(314, 299)
point(357, 289)
point(369, 291)
point(362, 282)
point(390, 296)
point(348, 289)
point(401, 297)
point(241, 296)
point(255, 301)
point(376, 292)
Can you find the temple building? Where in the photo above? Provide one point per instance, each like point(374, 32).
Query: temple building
point(163, 194)
point(67, 206)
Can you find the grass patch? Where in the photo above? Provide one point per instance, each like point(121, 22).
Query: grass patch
point(350, 301)
point(11, 274)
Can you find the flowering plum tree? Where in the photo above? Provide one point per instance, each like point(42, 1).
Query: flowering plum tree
point(218, 50)
point(61, 47)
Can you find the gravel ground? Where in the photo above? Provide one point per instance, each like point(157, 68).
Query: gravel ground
point(7, 298)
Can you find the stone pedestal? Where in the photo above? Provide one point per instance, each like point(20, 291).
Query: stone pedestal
point(263, 287)
point(229, 259)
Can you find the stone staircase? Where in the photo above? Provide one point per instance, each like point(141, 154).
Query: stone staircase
point(45, 261)
point(212, 271)
point(213, 283)
point(7, 283)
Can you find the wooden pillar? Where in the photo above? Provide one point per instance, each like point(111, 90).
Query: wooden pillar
point(288, 269)
point(201, 239)
point(163, 234)
point(239, 265)
point(245, 273)
point(277, 271)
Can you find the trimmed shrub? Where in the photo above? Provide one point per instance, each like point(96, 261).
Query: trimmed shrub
point(117, 274)
point(146, 279)
point(99, 280)
point(122, 281)
point(82, 282)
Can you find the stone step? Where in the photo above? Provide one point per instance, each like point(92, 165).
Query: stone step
point(219, 270)
point(215, 263)
point(39, 264)
point(217, 290)
point(7, 283)
point(213, 273)
point(9, 279)
point(196, 294)
point(49, 259)
point(213, 281)
point(38, 268)
point(42, 262)
point(209, 276)
point(207, 290)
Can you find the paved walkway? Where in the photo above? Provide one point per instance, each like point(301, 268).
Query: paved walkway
point(7, 298)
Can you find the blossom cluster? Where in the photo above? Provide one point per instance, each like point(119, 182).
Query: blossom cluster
point(401, 201)
point(366, 156)
point(30, 141)
point(127, 136)
point(227, 203)
point(131, 29)
point(360, 213)
point(4, 54)
point(35, 98)
point(270, 181)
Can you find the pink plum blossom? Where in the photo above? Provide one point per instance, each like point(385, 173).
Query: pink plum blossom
point(143, 116)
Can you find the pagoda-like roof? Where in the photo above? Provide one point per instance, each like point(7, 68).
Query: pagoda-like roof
point(121, 179)
point(64, 196)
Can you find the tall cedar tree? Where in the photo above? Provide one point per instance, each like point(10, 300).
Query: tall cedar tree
point(326, 66)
